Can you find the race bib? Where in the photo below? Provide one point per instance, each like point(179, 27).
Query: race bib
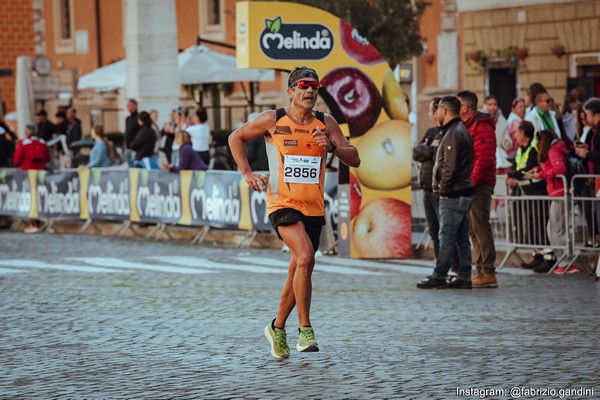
point(301, 169)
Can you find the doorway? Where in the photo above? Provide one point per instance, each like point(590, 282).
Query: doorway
point(503, 86)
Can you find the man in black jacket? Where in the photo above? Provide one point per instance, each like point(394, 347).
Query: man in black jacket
point(74, 132)
point(424, 153)
point(452, 181)
point(131, 128)
point(131, 122)
point(46, 129)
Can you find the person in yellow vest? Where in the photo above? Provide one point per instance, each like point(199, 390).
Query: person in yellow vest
point(297, 140)
point(528, 218)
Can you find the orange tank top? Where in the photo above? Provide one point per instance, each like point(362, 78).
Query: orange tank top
point(297, 166)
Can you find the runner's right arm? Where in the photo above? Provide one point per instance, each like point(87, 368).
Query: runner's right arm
point(262, 124)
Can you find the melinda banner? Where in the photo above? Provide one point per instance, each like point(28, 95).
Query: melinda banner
point(219, 199)
point(105, 195)
point(361, 93)
point(58, 195)
point(156, 196)
point(215, 199)
point(16, 197)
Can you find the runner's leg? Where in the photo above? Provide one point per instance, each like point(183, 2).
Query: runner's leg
point(288, 300)
point(296, 238)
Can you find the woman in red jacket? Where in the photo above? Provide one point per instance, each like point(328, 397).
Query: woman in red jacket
point(553, 162)
point(32, 152)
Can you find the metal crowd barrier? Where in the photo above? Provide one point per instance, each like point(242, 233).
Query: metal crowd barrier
point(526, 220)
point(585, 217)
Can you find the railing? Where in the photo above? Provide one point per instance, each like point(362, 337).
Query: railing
point(522, 221)
point(526, 222)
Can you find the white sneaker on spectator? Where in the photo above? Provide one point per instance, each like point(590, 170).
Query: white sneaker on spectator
point(32, 229)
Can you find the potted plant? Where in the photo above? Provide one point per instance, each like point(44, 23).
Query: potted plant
point(475, 56)
point(477, 59)
point(522, 53)
point(429, 58)
point(558, 50)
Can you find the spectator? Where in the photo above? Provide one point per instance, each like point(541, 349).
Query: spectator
point(542, 116)
point(61, 123)
point(517, 113)
point(453, 182)
point(168, 135)
point(569, 116)
point(32, 153)
point(73, 127)
point(200, 133)
point(154, 118)
point(143, 144)
point(45, 128)
point(424, 153)
point(7, 145)
point(182, 124)
point(131, 122)
point(533, 90)
point(580, 95)
point(188, 158)
point(584, 140)
point(100, 155)
point(503, 143)
point(256, 150)
point(552, 158)
point(589, 150)
point(481, 127)
point(526, 225)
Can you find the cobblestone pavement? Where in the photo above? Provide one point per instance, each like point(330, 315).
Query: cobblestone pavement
point(86, 317)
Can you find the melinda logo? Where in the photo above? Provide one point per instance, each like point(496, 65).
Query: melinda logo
point(281, 41)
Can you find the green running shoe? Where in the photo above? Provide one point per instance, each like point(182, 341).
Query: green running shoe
point(306, 340)
point(278, 341)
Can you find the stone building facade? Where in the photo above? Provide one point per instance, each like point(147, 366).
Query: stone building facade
point(502, 46)
point(551, 39)
point(16, 39)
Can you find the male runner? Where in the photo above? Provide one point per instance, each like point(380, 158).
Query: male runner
point(297, 139)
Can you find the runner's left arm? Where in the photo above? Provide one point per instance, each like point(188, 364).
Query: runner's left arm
point(346, 152)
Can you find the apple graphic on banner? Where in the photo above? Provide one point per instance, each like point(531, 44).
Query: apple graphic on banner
point(385, 154)
point(355, 195)
point(358, 47)
point(382, 229)
point(352, 98)
point(394, 102)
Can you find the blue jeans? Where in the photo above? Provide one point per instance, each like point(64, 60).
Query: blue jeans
point(431, 203)
point(147, 163)
point(454, 238)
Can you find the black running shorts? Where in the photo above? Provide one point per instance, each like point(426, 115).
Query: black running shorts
point(289, 216)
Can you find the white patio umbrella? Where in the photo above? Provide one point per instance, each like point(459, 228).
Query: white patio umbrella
point(200, 64)
point(24, 95)
point(197, 64)
point(105, 79)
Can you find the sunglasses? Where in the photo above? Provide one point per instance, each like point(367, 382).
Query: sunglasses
point(307, 84)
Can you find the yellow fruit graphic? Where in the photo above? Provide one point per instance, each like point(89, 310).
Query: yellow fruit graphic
point(385, 155)
point(394, 102)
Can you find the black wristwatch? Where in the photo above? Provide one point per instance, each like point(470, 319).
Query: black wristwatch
point(333, 146)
